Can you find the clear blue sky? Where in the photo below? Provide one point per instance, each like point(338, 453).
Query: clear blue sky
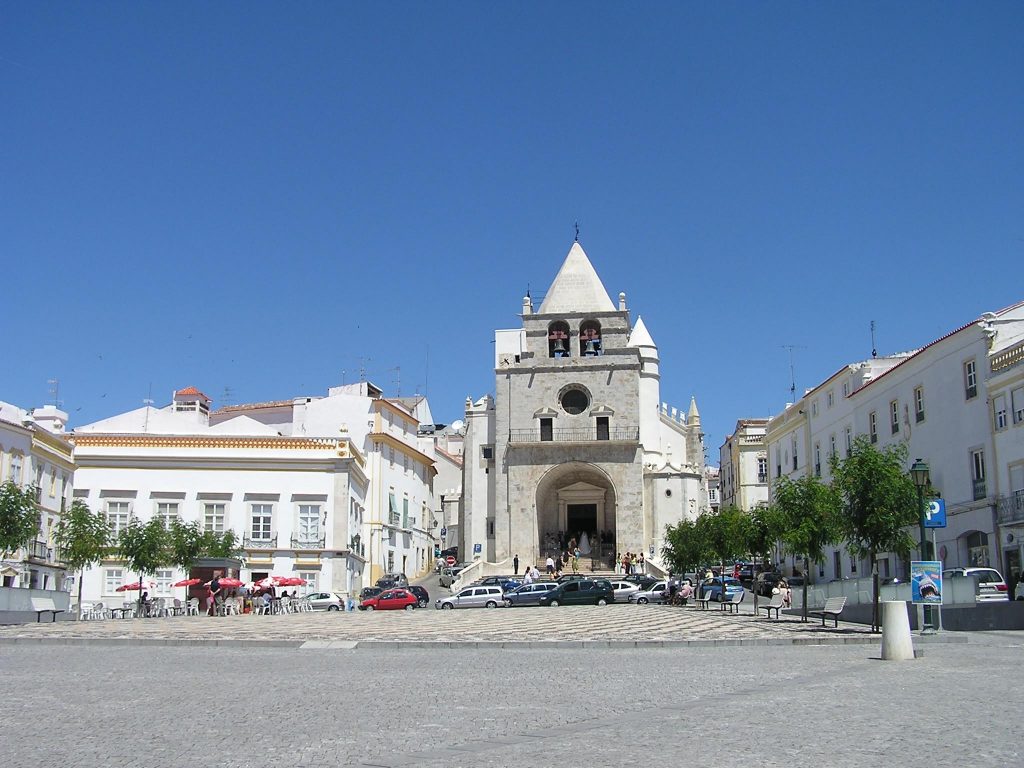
point(255, 196)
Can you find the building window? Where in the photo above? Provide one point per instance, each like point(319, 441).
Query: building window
point(894, 416)
point(978, 473)
point(590, 339)
point(795, 462)
point(853, 563)
point(837, 564)
point(762, 469)
point(919, 404)
point(829, 398)
point(112, 579)
point(490, 527)
point(849, 441)
point(1017, 403)
point(117, 515)
point(312, 581)
point(164, 578)
point(309, 522)
point(16, 474)
point(558, 339)
point(391, 561)
point(53, 483)
point(832, 445)
point(846, 389)
point(602, 427)
point(712, 494)
point(213, 518)
point(970, 379)
point(977, 549)
point(167, 512)
point(393, 517)
point(262, 516)
point(405, 512)
point(487, 452)
point(821, 569)
point(873, 426)
point(999, 407)
point(547, 431)
point(814, 408)
point(817, 459)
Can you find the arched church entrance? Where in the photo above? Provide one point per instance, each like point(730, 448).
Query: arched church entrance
point(576, 501)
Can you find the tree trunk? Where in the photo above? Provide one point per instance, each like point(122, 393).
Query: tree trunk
point(81, 576)
point(874, 593)
point(804, 616)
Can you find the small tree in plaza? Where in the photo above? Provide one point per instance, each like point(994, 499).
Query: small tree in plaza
point(879, 504)
point(144, 547)
point(684, 547)
point(726, 533)
point(82, 538)
point(807, 513)
point(19, 516)
point(763, 531)
point(187, 543)
point(221, 544)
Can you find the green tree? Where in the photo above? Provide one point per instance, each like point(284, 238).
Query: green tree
point(764, 531)
point(82, 538)
point(879, 503)
point(144, 547)
point(685, 547)
point(19, 516)
point(726, 533)
point(187, 543)
point(808, 518)
point(221, 544)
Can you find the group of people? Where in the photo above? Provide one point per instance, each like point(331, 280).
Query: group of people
point(629, 563)
point(557, 562)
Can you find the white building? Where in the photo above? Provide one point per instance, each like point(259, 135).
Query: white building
point(35, 452)
point(743, 466)
point(712, 477)
point(576, 442)
point(333, 489)
point(938, 401)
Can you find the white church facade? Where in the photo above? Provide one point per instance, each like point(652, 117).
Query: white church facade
point(576, 443)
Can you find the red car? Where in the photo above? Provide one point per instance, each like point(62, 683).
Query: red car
point(390, 600)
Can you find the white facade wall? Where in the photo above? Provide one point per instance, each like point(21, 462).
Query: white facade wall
point(1006, 398)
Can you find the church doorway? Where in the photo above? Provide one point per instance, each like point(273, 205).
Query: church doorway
point(580, 519)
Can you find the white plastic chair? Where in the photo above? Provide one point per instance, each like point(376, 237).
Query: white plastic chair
point(84, 612)
point(192, 607)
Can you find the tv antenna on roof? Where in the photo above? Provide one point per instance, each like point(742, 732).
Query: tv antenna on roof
point(874, 351)
point(792, 370)
point(55, 392)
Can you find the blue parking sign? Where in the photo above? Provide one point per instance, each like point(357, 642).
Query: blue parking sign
point(935, 513)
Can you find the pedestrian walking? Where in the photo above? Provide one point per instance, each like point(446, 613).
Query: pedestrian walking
point(550, 565)
point(515, 565)
point(625, 564)
point(576, 560)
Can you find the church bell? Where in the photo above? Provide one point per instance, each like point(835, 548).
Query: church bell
point(591, 350)
point(559, 348)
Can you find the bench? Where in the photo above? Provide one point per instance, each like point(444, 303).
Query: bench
point(704, 602)
point(732, 605)
point(43, 605)
point(775, 604)
point(833, 607)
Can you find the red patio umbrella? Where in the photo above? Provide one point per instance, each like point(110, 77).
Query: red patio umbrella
point(292, 581)
point(187, 582)
point(229, 582)
point(135, 585)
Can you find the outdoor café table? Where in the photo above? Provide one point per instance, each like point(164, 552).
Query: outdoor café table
point(121, 613)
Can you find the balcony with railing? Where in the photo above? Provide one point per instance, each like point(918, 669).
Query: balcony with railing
point(580, 435)
point(979, 489)
point(1010, 509)
point(308, 542)
point(38, 550)
point(248, 542)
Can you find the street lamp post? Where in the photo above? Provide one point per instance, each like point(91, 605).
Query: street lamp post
point(919, 473)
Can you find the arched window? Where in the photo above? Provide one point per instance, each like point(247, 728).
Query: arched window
point(590, 338)
point(558, 339)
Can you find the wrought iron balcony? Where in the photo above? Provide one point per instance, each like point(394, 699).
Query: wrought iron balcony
point(251, 543)
point(39, 551)
point(1010, 509)
point(582, 435)
point(979, 489)
point(308, 543)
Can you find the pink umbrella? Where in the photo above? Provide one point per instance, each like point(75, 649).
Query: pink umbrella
point(292, 581)
point(188, 582)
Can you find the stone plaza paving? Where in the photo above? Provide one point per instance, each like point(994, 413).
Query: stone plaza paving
point(618, 624)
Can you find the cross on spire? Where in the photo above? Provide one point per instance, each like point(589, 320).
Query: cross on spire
point(577, 231)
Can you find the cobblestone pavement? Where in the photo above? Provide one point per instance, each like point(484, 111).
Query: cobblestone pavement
point(835, 706)
point(588, 623)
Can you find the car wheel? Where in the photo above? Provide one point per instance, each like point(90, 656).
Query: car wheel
point(641, 601)
point(508, 603)
point(446, 606)
point(491, 604)
point(409, 607)
point(602, 601)
point(423, 603)
point(369, 607)
point(553, 603)
point(333, 608)
point(717, 598)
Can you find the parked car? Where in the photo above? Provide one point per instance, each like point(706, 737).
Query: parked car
point(449, 575)
point(451, 551)
point(507, 583)
point(765, 582)
point(367, 592)
point(642, 580)
point(326, 601)
point(712, 588)
point(623, 589)
point(421, 595)
point(570, 577)
point(991, 585)
point(528, 594)
point(653, 594)
point(472, 597)
point(582, 592)
point(390, 600)
point(1018, 593)
point(389, 580)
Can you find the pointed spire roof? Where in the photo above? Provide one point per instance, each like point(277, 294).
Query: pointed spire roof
point(576, 287)
point(693, 417)
point(640, 336)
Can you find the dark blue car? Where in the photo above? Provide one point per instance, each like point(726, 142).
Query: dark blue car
point(528, 594)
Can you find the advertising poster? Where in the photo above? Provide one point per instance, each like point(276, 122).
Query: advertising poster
point(926, 582)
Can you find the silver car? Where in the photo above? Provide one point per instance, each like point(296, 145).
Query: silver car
point(472, 597)
point(653, 595)
point(623, 589)
point(326, 601)
point(449, 574)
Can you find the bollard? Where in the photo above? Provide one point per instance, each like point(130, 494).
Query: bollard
point(897, 644)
